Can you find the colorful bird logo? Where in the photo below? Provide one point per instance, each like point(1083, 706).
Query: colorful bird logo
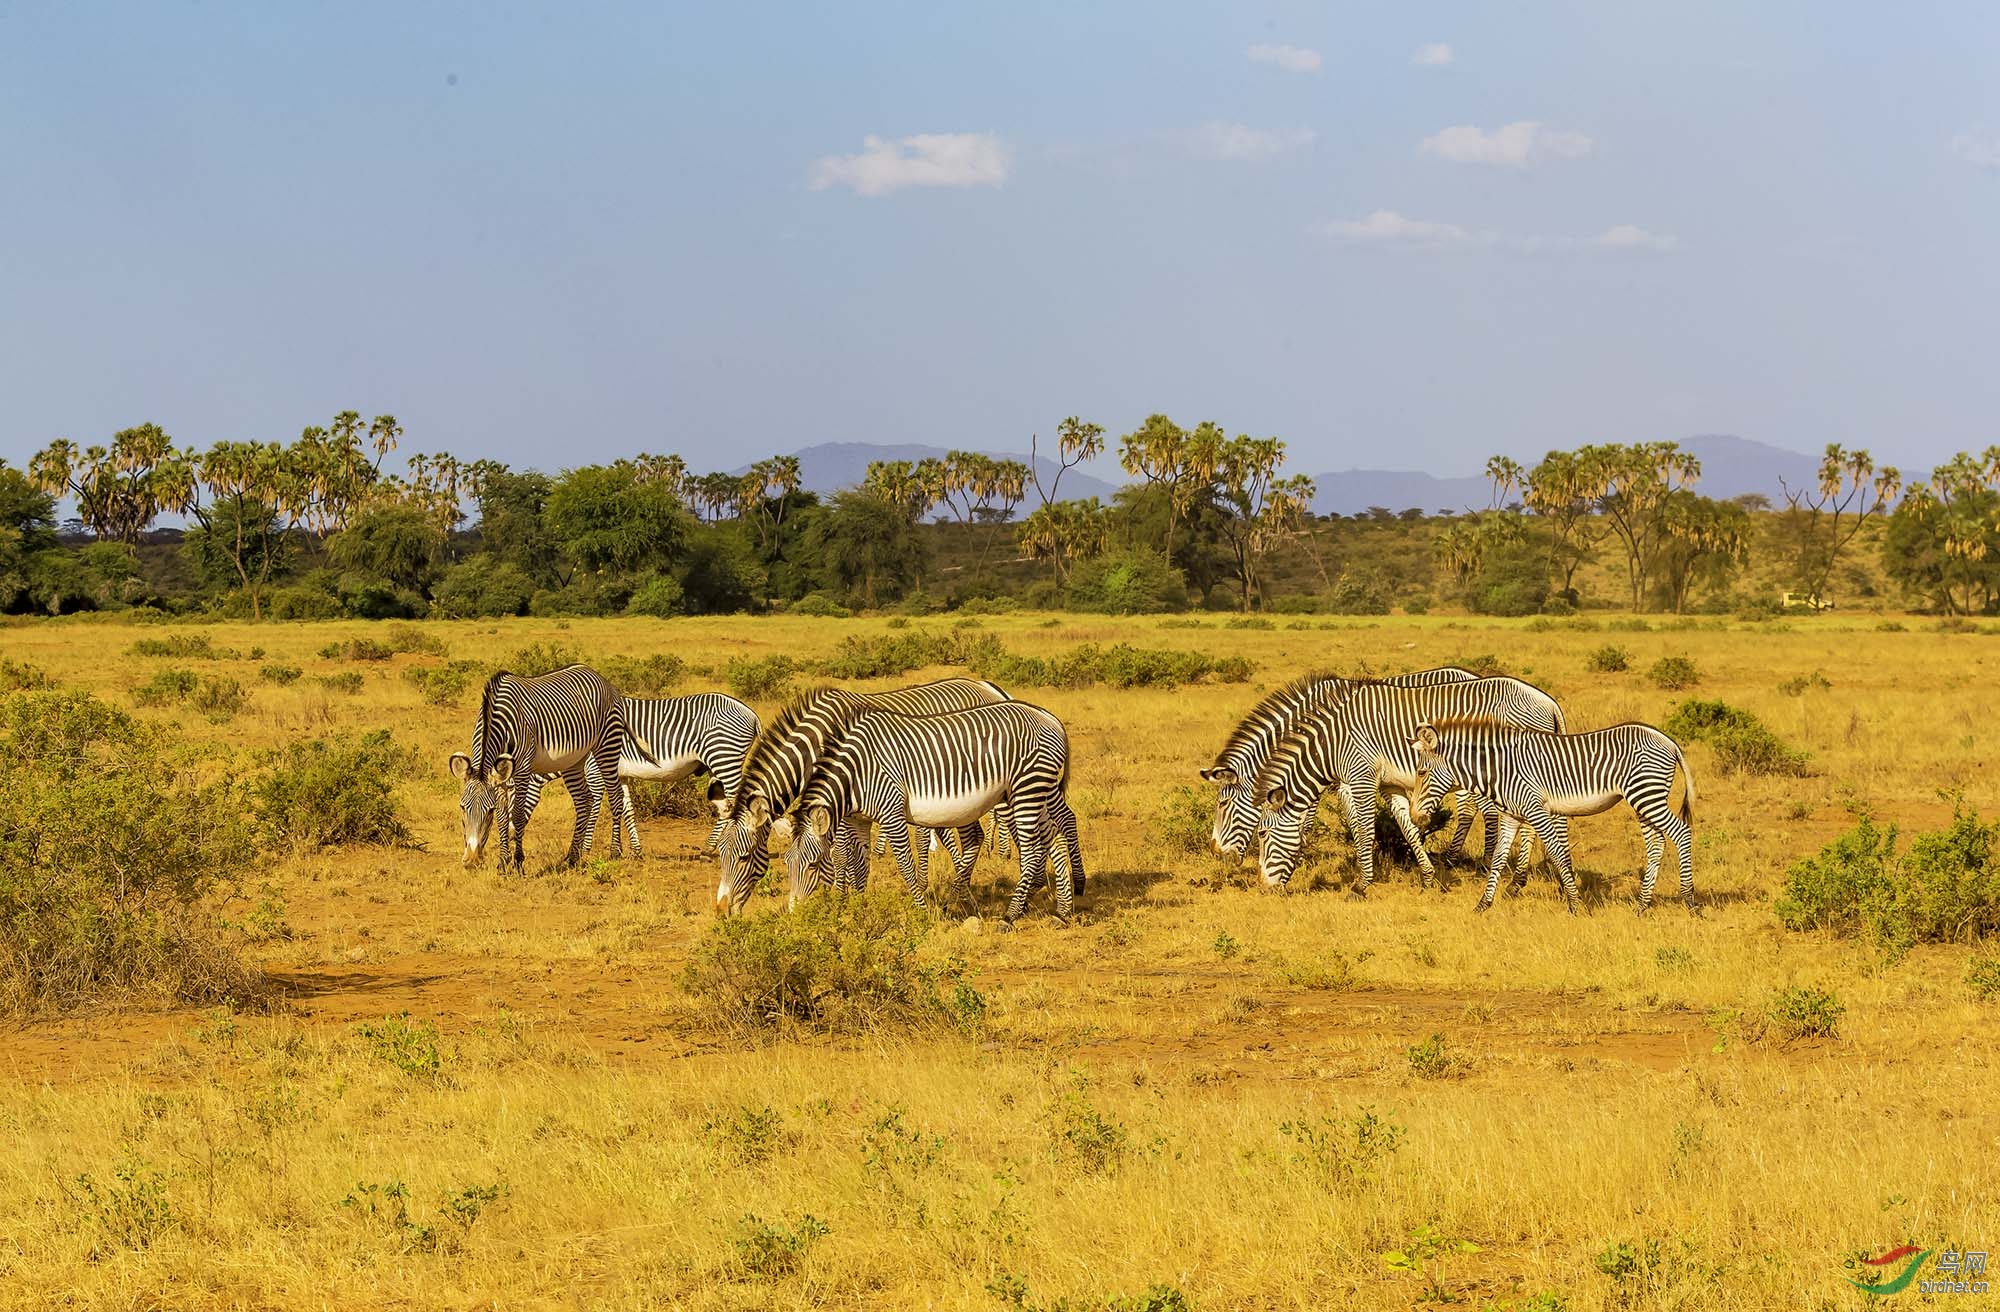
point(1903, 1277)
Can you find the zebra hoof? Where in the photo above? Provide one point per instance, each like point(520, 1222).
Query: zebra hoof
point(1572, 906)
point(1645, 909)
point(1694, 908)
point(1006, 925)
point(1484, 904)
point(1357, 895)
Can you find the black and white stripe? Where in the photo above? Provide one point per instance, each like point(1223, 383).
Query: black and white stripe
point(1538, 780)
point(1360, 745)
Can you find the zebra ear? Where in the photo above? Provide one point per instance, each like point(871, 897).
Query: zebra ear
point(503, 769)
point(1221, 774)
point(781, 829)
point(1426, 739)
point(461, 766)
point(760, 810)
point(718, 798)
point(1274, 800)
point(820, 820)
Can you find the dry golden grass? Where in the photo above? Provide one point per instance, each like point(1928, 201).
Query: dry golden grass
point(1164, 1094)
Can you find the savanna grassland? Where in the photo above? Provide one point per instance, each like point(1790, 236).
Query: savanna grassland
point(466, 1089)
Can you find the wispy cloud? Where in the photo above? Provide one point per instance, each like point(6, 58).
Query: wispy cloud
point(1435, 55)
point(1978, 151)
point(929, 159)
point(1292, 59)
point(1389, 229)
point(1517, 145)
point(1234, 141)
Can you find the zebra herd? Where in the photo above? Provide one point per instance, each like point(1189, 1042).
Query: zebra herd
point(838, 773)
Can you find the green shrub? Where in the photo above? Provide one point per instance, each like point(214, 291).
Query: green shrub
point(1002, 605)
point(659, 597)
point(1184, 822)
point(835, 964)
point(541, 658)
point(443, 685)
point(1248, 622)
point(110, 841)
point(216, 697)
point(181, 646)
point(1740, 741)
point(1341, 1155)
point(325, 792)
point(356, 649)
point(1802, 1012)
point(166, 686)
point(1084, 1137)
point(768, 1252)
point(759, 680)
point(280, 674)
point(347, 682)
point(1437, 1058)
point(1674, 673)
point(653, 675)
point(1331, 973)
point(821, 606)
point(1944, 889)
point(1486, 665)
point(1890, 626)
point(1800, 685)
point(303, 603)
point(483, 588)
point(1359, 592)
point(1609, 660)
point(409, 1046)
point(1120, 666)
point(18, 677)
point(1983, 977)
point(410, 638)
point(1127, 583)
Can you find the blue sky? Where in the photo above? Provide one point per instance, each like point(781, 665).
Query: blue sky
point(560, 234)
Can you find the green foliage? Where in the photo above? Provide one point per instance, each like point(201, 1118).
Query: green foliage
point(611, 517)
point(1944, 889)
point(867, 548)
point(303, 602)
point(356, 649)
point(1425, 1253)
point(181, 646)
point(1647, 1273)
point(1983, 978)
point(658, 596)
point(282, 675)
point(1674, 673)
point(541, 658)
point(820, 606)
point(765, 1251)
point(1741, 742)
point(1184, 823)
point(483, 587)
point(17, 676)
point(1127, 583)
point(1226, 946)
point(1332, 973)
point(762, 679)
point(652, 675)
point(324, 792)
point(215, 696)
point(1803, 1012)
point(166, 686)
point(1800, 685)
point(444, 685)
point(1344, 1154)
point(1119, 666)
point(411, 1046)
point(132, 1209)
point(395, 542)
point(1609, 660)
point(109, 844)
point(749, 1135)
point(835, 964)
point(1437, 1058)
point(1081, 1135)
point(347, 683)
point(720, 573)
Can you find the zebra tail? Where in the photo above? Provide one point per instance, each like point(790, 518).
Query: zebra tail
point(484, 761)
point(1687, 794)
point(645, 748)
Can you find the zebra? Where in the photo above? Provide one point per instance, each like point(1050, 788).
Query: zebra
point(945, 771)
point(707, 731)
point(776, 767)
point(1250, 743)
point(548, 724)
point(1361, 745)
point(1540, 779)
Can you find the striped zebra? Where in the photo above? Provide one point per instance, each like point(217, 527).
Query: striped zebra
point(550, 724)
point(783, 755)
point(1361, 746)
point(841, 859)
point(705, 732)
point(1251, 742)
point(944, 772)
point(1539, 779)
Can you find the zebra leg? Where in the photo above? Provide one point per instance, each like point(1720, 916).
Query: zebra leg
point(1065, 820)
point(1399, 807)
point(1003, 826)
point(631, 820)
point(1672, 825)
point(1497, 854)
point(895, 829)
point(1359, 804)
point(615, 793)
point(1461, 825)
point(969, 839)
point(1656, 845)
point(585, 800)
point(1555, 840)
point(1033, 849)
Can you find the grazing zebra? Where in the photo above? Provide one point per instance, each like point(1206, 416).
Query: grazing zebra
point(944, 772)
point(1250, 744)
point(778, 762)
point(841, 859)
point(549, 724)
point(706, 731)
point(1361, 745)
point(1539, 779)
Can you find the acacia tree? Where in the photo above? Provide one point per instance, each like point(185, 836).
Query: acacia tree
point(120, 489)
point(1259, 508)
point(1850, 487)
point(1182, 462)
point(1076, 442)
point(1633, 484)
point(1064, 532)
point(1562, 491)
point(763, 498)
point(1703, 538)
point(256, 493)
point(1944, 539)
point(712, 495)
point(912, 488)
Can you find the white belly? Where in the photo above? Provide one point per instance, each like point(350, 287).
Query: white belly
point(560, 762)
point(670, 768)
point(938, 811)
point(1581, 803)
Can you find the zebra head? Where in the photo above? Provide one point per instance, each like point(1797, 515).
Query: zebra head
point(1439, 779)
point(482, 796)
point(743, 847)
point(1281, 834)
point(809, 860)
point(1235, 826)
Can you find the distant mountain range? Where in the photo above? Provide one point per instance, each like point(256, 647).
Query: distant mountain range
point(1730, 466)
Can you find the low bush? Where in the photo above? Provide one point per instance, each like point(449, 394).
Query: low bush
point(1609, 660)
point(1674, 673)
point(181, 646)
point(347, 683)
point(444, 685)
point(303, 603)
point(1800, 685)
point(1120, 666)
point(836, 964)
point(1983, 978)
point(1185, 822)
point(1803, 1012)
point(1437, 1058)
point(324, 792)
point(654, 675)
point(216, 696)
point(18, 677)
point(541, 658)
point(820, 606)
point(659, 597)
point(410, 638)
point(1944, 889)
point(166, 686)
point(1486, 665)
point(110, 843)
point(280, 674)
point(356, 649)
point(765, 1251)
point(1741, 742)
point(761, 680)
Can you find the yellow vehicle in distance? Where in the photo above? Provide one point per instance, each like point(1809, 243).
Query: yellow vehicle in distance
point(1811, 601)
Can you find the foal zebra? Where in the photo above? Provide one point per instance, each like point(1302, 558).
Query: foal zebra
point(1251, 742)
point(783, 755)
point(550, 724)
point(1538, 779)
point(1361, 745)
point(706, 731)
point(944, 772)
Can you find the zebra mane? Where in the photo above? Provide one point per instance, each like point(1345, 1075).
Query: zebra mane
point(479, 758)
point(1246, 729)
point(1285, 755)
point(835, 706)
point(1485, 724)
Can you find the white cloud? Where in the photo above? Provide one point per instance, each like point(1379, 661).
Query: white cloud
point(1293, 59)
point(1980, 152)
point(1235, 141)
point(1632, 237)
point(1435, 55)
point(1387, 227)
point(1516, 145)
point(929, 159)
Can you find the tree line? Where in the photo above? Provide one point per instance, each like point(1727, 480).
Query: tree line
point(318, 528)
